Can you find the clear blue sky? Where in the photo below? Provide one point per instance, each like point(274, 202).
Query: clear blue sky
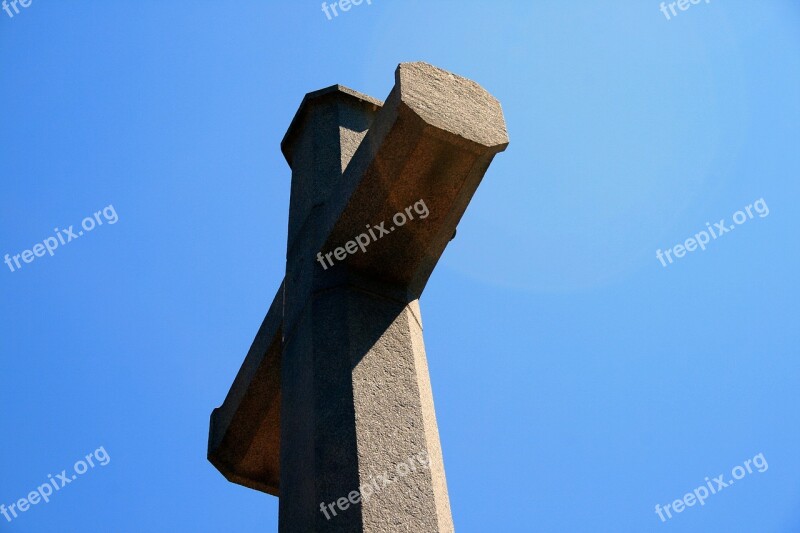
point(577, 381)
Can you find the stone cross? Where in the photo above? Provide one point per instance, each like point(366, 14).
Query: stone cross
point(334, 394)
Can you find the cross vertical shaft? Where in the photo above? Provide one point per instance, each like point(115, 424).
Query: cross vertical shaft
point(354, 360)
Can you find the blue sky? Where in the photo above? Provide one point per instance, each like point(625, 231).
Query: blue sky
point(577, 381)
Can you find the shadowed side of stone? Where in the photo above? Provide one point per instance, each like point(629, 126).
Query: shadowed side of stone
point(244, 440)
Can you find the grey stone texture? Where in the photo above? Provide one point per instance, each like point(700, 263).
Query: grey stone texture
point(335, 388)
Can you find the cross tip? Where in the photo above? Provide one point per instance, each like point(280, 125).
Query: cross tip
point(452, 103)
point(322, 96)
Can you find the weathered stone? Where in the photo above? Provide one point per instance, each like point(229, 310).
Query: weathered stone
point(337, 378)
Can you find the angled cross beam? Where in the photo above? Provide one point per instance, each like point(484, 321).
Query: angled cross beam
point(334, 392)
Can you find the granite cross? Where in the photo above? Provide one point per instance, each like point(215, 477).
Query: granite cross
point(334, 394)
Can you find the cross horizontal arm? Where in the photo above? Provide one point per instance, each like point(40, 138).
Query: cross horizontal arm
point(244, 440)
point(432, 140)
